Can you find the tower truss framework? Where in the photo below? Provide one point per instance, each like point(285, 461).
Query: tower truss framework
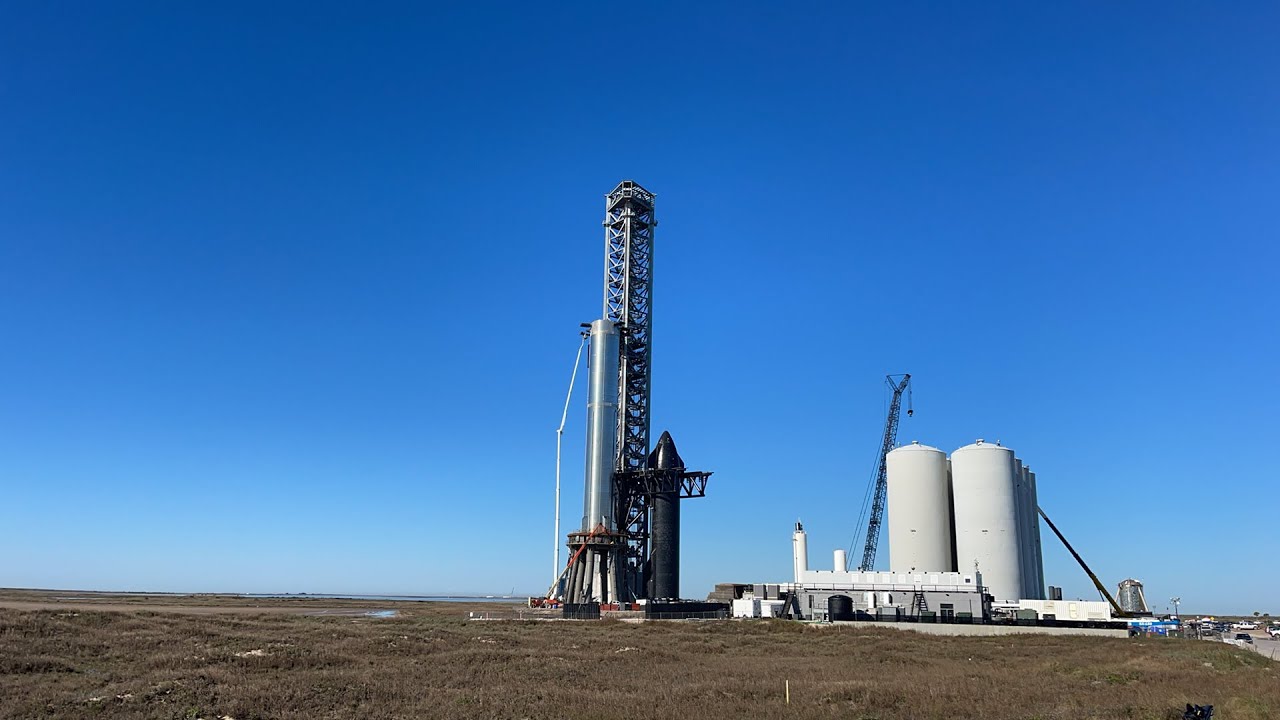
point(628, 298)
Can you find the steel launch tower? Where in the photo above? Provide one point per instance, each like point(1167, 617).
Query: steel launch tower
point(628, 545)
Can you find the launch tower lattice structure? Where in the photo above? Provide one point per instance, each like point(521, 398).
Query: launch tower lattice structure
point(628, 299)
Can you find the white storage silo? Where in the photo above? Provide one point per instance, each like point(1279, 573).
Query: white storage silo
point(919, 510)
point(1019, 503)
point(1024, 526)
point(986, 517)
point(1037, 563)
point(1028, 515)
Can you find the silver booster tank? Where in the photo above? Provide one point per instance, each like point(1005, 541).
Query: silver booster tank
point(602, 426)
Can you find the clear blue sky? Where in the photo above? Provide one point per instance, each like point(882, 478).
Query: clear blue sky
point(290, 294)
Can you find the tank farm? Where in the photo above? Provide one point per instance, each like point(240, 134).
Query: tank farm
point(964, 531)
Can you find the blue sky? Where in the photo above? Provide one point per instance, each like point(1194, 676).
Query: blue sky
point(290, 294)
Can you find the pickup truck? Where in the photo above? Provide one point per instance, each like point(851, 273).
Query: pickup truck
point(1274, 632)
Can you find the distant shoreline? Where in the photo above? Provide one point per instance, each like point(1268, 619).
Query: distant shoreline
point(397, 598)
point(444, 597)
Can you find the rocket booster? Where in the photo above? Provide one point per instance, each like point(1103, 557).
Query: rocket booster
point(602, 427)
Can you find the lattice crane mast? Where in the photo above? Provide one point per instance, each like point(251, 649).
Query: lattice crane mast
point(898, 384)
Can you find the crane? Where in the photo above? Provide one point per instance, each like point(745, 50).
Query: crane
point(879, 489)
point(1116, 610)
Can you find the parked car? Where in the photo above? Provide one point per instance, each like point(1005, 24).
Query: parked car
point(1274, 632)
point(1244, 637)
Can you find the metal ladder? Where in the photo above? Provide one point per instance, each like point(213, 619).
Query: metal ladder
point(919, 602)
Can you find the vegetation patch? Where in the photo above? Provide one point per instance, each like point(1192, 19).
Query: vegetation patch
point(429, 661)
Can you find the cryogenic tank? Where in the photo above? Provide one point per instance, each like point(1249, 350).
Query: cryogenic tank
point(838, 561)
point(1020, 506)
point(1026, 520)
point(986, 517)
point(919, 510)
point(839, 607)
point(1037, 561)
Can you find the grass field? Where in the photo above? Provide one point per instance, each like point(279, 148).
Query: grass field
point(430, 661)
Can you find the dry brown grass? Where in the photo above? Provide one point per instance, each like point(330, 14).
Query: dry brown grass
point(432, 662)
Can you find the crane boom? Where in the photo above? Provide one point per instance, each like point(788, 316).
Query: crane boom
point(881, 477)
point(1115, 606)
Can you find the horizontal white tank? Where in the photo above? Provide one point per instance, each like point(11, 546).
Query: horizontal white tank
point(986, 517)
point(919, 498)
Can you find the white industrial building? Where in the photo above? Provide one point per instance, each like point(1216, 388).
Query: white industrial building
point(964, 535)
point(890, 595)
point(1072, 610)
